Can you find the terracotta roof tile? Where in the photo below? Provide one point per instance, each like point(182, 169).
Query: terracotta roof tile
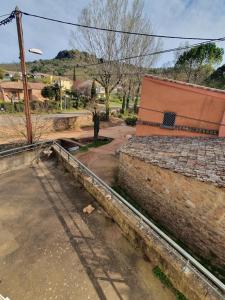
point(19, 85)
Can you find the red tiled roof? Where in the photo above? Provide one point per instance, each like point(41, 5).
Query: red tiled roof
point(18, 85)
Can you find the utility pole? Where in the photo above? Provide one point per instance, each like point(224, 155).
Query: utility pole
point(24, 74)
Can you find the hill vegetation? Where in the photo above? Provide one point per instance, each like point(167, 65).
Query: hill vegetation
point(64, 62)
point(62, 65)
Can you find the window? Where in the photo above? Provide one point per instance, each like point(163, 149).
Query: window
point(169, 119)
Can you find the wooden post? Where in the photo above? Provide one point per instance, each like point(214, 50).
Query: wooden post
point(24, 74)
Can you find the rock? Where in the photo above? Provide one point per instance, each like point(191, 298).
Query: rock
point(88, 209)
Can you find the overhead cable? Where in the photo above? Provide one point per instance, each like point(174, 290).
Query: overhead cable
point(150, 54)
point(119, 31)
point(9, 19)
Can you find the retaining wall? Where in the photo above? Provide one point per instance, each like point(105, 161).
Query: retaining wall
point(17, 161)
point(185, 279)
point(193, 211)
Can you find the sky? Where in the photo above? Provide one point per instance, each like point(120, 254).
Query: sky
point(204, 18)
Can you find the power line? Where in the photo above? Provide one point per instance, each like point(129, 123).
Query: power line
point(119, 31)
point(4, 15)
point(133, 33)
point(101, 74)
point(9, 19)
point(149, 54)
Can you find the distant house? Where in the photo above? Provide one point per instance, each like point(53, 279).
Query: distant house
point(175, 108)
point(8, 75)
point(84, 86)
point(65, 82)
point(12, 91)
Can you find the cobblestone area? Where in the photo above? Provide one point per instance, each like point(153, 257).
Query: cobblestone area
point(202, 158)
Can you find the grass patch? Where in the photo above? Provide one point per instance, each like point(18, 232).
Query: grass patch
point(167, 282)
point(94, 145)
point(83, 149)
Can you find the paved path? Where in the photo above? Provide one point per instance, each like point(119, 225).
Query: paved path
point(49, 249)
point(103, 160)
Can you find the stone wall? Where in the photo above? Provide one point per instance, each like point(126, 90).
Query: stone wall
point(67, 123)
point(193, 211)
point(187, 280)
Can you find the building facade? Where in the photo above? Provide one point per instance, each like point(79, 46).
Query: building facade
point(175, 108)
point(12, 91)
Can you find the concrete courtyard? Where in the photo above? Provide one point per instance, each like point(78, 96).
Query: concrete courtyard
point(50, 249)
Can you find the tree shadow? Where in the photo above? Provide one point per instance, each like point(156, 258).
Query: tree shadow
point(98, 259)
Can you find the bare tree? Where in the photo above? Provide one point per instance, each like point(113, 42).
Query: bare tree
point(109, 47)
point(14, 129)
point(141, 47)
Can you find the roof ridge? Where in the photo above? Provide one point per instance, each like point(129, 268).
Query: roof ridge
point(185, 83)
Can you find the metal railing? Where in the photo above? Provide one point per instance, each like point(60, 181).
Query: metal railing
point(24, 148)
point(191, 262)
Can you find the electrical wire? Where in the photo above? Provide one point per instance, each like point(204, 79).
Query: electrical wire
point(206, 41)
point(111, 74)
point(5, 15)
point(152, 53)
point(119, 31)
point(9, 19)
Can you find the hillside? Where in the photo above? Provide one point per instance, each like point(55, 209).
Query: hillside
point(62, 65)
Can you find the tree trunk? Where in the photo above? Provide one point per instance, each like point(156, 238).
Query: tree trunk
point(123, 103)
point(127, 102)
point(136, 98)
point(128, 97)
point(107, 94)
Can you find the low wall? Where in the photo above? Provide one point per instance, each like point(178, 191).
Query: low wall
point(67, 123)
point(185, 279)
point(17, 161)
point(193, 211)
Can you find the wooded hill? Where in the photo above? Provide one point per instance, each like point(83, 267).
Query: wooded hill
point(62, 65)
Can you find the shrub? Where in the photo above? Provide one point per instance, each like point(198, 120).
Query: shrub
point(131, 121)
point(103, 116)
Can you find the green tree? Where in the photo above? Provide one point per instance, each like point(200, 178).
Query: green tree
point(198, 62)
point(47, 92)
point(15, 77)
point(51, 92)
point(217, 78)
point(2, 73)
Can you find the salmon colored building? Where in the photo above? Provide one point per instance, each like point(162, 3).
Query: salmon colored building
point(170, 107)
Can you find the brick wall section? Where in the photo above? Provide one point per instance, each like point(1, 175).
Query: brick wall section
point(170, 187)
point(189, 282)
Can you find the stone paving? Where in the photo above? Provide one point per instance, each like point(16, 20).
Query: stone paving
point(202, 158)
point(50, 249)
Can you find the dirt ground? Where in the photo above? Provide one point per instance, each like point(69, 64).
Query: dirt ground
point(50, 249)
point(103, 160)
